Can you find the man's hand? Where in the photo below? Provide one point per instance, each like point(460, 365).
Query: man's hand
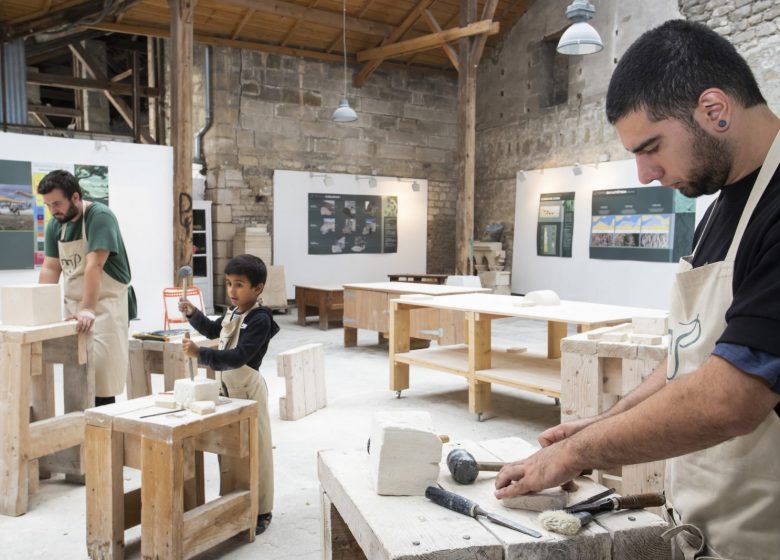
point(190, 348)
point(85, 318)
point(186, 307)
point(546, 468)
point(564, 430)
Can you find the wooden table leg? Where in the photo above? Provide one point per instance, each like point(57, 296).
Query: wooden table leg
point(479, 335)
point(42, 402)
point(322, 303)
point(138, 377)
point(338, 540)
point(75, 380)
point(300, 303)
point(556, 331)
point(350, 337)
point(105, 493)
point(162, 488)
point(399, 342)
point(14, 436)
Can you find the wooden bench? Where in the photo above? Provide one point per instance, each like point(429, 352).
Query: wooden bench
point(360, 524)
point(325, 301)
point(33, 441)
point(170, 506)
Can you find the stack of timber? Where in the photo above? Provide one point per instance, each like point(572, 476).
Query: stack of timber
point(254, 240)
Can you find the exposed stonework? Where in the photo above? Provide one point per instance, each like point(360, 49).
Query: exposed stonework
point(273, 112)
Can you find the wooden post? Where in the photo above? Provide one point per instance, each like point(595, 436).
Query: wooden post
point(182, 12)
point(467, 91)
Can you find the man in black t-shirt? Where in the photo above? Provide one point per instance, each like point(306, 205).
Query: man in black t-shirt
point(687, 105)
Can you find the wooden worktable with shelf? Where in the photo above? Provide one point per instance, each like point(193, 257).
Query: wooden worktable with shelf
point(477, 360)
point(366, 306)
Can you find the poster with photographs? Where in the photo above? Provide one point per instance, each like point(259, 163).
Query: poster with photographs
point(352, 224)
point(555, 226)
point(643, 224)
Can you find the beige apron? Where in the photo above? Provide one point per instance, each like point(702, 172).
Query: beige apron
point(107, 343)
point(247, 383)
point(726, 498)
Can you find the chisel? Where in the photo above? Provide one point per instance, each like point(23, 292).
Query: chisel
point(189, 360)
point(464, 506)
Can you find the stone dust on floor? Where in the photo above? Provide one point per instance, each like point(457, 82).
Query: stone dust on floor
point(357, 387)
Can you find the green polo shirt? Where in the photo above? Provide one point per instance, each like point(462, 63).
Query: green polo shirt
point(102, 233)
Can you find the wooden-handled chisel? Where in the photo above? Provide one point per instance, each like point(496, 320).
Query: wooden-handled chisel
point(464, 506)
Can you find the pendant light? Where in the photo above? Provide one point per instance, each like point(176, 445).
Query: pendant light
point(581, 38)
point(344, 113)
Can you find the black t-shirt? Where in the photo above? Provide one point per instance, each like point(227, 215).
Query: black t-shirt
point(256, 331)
point(753, 319)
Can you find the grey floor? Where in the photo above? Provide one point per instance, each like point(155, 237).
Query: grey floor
point(357, 386)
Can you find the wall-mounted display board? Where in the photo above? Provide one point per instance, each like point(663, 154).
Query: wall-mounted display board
point(351, 223)
point(555, 227)
point(653, 224)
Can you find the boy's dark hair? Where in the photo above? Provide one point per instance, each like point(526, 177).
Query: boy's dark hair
point(60, 179)
point(665, 71)
point(250, 266)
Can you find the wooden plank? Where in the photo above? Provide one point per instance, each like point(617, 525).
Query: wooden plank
point(69, 82)
point(182, 16)
point(436, 28)
point(105, 493)
point(139, 382)
point(162, 486)
point(338, 542)
point(61, 350)
point(399, 344)
point(14, 406)
point(227, 440)
point(132, 508)
point(580, 386)
point(56, 433)
point(556, 331)
point(217, 521)
point(488, 11)
point(428, 42)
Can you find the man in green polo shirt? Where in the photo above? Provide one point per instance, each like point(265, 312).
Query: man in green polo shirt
point(84, 244)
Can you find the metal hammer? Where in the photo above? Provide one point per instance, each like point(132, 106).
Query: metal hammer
point(464, 468)
point(185, 273)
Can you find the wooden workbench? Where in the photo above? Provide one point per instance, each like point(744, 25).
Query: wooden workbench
point(359, 524)
point(477, 360)
point(325, 301)
point(366, 306)
point(31, 436)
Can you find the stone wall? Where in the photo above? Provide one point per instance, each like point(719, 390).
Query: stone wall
point(273, 112)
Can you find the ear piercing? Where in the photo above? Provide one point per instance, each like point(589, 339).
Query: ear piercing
point(722, 123)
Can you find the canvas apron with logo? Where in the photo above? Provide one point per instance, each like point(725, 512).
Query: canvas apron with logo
point(726, 498)
point(247, 383)
point(107, 343)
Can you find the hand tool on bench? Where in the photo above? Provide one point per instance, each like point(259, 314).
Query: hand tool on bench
point(464, 506)
point(568, 521)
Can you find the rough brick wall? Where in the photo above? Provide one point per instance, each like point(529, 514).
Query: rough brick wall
point(273, 112)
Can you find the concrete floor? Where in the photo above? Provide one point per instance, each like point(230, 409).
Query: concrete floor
point(357, 386)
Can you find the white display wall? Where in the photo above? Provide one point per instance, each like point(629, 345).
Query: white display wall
point(290, 230)
point(141, 196)
point(635, 283)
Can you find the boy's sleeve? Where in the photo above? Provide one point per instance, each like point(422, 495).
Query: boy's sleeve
point(250, 342)
point(205, 326)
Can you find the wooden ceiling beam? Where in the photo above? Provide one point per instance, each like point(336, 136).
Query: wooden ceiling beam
point(294, 26)
point(69, 82)
point(488, 11)
point(394, 37)
point(237, 31)
point(313, 15)
point(42, 119)
point(54, 111)
point(122, 75)
point(436, 28)
point(427, 42)
point(92, 67)
point(446, 25)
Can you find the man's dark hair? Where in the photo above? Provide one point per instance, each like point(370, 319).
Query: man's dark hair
point(250, 266)
point(60, 179)
point(665, 71)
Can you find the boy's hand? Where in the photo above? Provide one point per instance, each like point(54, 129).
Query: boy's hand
point(186, 307)
point(190, 348)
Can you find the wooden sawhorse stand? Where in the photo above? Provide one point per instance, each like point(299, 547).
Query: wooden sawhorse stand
point(168, 449)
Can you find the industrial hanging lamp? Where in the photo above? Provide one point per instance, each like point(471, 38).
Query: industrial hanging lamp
point(581, 38)
point(344, 113)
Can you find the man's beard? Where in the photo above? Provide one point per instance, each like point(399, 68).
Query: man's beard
point(711, 164)
point(71, 213)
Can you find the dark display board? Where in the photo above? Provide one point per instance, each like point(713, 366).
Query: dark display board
point(641, 224)
point(555, 226)
point(352, 224)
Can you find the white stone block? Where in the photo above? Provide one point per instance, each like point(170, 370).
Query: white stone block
point(647, 339)
point(552, 498)
point(30, 305)
point(543, 297)
point(651, 325)
point(186, 392)
point(202, 407)
point(405, 453)
point(165, 400)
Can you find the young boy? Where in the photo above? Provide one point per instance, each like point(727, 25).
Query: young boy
point(244, 333)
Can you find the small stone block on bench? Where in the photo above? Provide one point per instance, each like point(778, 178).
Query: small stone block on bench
point(303, 369)
point(186, 392)
point(30, 305)
point(405, 453)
